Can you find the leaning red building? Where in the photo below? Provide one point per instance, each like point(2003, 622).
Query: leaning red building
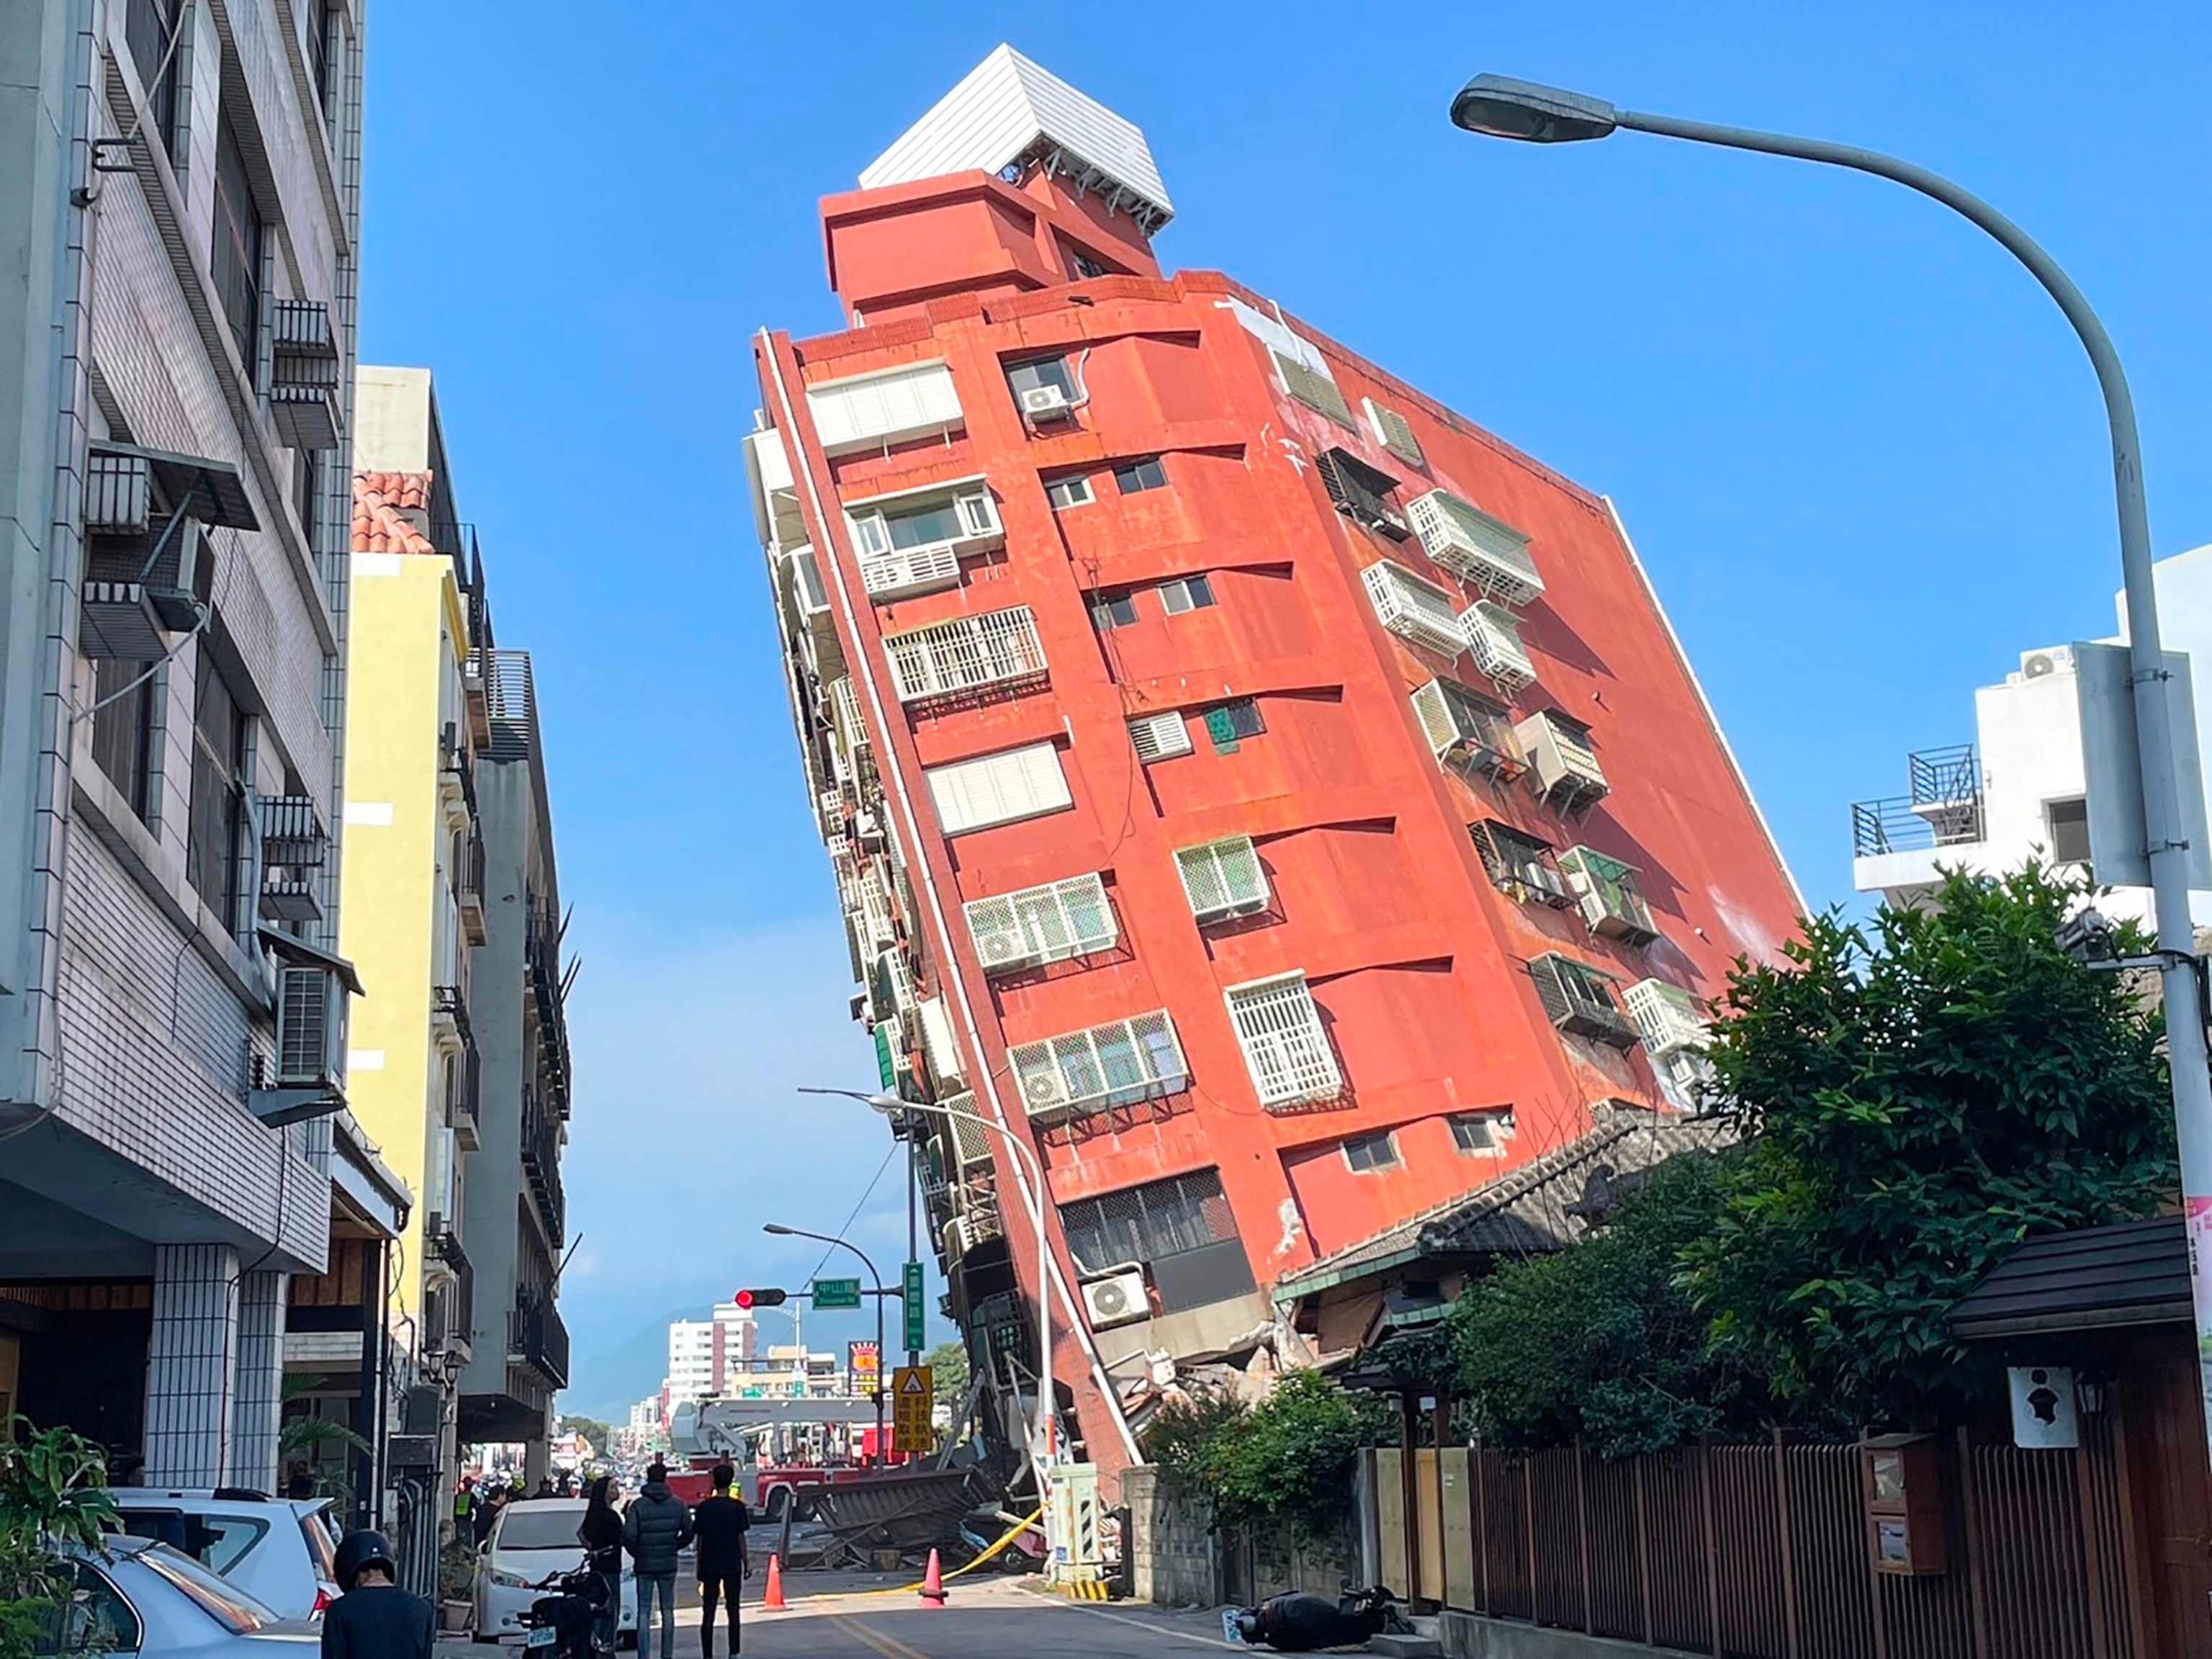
point(1280, 802)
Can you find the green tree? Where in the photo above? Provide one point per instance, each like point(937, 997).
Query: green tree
point(1914, 1100)
point(52, 1490)
point(1599, 1342)
point(591, 1428)
point(948, 1372)
point(1287, 1460)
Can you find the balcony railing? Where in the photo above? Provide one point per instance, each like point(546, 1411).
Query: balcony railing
point(541, 1165)
point(1414, 608)
point(456, 762)
point(459, 1306)
point(541, 947)
point(537, 1337)
point(469, 888)
point(966, 655)
point(1943, 810)
point(1485, 551)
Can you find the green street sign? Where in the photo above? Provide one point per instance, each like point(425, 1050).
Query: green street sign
point(917, 1317)
point(831, 1294)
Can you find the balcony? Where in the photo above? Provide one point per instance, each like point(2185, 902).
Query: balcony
point(966, 656)
point(1466, 730)
point(464, 1094)
point(914, 543)
point(1118, 1064)
point(1563, 768)
point(293, 846)
point(537, 1337)
point(1493, 634)
point(457, 776)
point(449, 1017)
point(1414, 609)
point(304, 393)
point(458, 1303)
point(1898, 842)
point(469, 888)
point(541, 1165)
point(1521, 866)
point(1612, 901)
point(541, 950)
point(1667, 1016)
point(1579, 1001)
point(1488, 553)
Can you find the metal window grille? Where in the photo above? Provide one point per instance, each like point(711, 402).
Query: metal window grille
point(1414, 608)
point(1493, 634)
point(1466, 730)
point(1314, 387)
point(1047, 923)
point(1159, 737)
point(1360, 492)
point(1520, 866)
point(1285, 1049)
point(1117, 1064)
point(1667, 1016)
point(1394, 433)
point(1465, 540)
point(845, 711)
point(1564, 767)
point(875, 907)
point(1223, 879)
point(971, 1142)
point(1578, 1001)
point(1229, 723)
point(1174, 1217)
point(966, 654)
point(1612, 901)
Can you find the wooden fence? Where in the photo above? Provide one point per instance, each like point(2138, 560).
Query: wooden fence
point(1759, 1552)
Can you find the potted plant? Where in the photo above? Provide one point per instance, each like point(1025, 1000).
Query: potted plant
point(457, 1582)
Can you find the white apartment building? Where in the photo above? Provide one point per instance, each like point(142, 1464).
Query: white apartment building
point(181, 188)
point(703, 1354)
point(2022, 788)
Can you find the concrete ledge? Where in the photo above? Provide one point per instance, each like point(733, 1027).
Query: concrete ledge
point(1467, 1636)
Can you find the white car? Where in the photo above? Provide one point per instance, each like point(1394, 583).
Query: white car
point(142, 1599)
point(280, 1551)
point(533, 1539)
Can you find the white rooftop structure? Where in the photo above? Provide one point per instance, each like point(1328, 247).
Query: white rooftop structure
point(1008, 111)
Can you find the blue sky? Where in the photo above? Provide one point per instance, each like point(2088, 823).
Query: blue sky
point(1859, 450)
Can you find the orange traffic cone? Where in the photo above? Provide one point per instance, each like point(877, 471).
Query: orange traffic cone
point(772, 1599)
point(932, 1583)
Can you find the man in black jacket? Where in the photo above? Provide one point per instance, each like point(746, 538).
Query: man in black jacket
point(719, 1526)
point(374, 1618)
point(655, 1531)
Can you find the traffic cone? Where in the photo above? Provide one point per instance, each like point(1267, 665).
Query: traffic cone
point(772, 1599)
point(933, 1583)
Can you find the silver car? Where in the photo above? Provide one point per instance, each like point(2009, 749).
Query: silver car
point(280, 1551)
point(533, 1539)
point(141, 1597)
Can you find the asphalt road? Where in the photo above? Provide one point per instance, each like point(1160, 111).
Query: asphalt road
point(999, 1619)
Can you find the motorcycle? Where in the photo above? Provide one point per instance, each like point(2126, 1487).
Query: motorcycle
point(565, 1625)
point(1300, 1622)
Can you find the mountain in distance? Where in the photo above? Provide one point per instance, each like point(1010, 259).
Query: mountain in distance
point(607, 1382)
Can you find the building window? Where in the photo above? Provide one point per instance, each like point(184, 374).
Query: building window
point(1190, 593)
point(1112, 610)
point(1043, 386)
point(1084, 265)
point(1227, 724)
point(2068, 823)
point(149, 28)
point(1180, 1228)
point(966, 654)
point(1477, 1134)
point(1037, 925)
point(307, 487)
point(1134, 477)
point(937, 522)
point(1074, 491)
point(1520, 866)
point(1016, 783)
point(1578, 1000)
point(123, 730)
point(1223, 879)
point(1159, 737)
point(236, 254)
point(1366, 1154)
point(323, 48)
point(216, 846)
point(1117, 1063)
point(1285, 1049)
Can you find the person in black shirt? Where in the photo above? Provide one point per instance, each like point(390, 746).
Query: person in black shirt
point(600, 1533)
point(718, 1531)
point(374, 1618)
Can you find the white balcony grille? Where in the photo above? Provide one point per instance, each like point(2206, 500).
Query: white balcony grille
point(939, 1045)
point(966, 654)
point(911, 570)
point(1394, 433)
point(1493, 634)
point(1563, 769)
point(971, 1142)
point(876, 908)
point(1414, 608)
point(1037, 925)
point(845, 712)
point(1223, 879)
point(1466, 730)
point(1285, 1049)
point(1611, 902)
point(1666, 1017)
point(1465, 540)
point(1117, 1063)
point(1159, 737)
point(808, 593)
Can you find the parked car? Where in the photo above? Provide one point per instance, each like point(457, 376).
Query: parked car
point(144, 1597)
point(280, 1551)
point(533, 1539)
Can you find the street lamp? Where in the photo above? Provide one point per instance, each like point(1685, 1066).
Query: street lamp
point(780, 1231)
point(1495, 107)
point(1041, 1434)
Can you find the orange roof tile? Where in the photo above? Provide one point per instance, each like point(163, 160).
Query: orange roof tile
point(380, 502)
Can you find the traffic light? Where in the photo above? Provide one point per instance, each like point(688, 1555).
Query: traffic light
point(747, 1300)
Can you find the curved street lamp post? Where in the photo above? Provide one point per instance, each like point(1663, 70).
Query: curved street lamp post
point(876, 1281)
point(1495, 107)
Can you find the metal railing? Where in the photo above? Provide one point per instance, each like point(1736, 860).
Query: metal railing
point(1943, 810)
point(536, 1334)
point(541, 1164)
point(541, 948)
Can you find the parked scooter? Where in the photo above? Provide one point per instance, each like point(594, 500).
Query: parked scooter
point(1300, 1622)
point(564, 1625)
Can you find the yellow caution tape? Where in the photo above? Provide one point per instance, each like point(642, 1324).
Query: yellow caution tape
point(1011, 1534)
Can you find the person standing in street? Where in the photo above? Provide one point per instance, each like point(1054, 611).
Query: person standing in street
point(720, 1525)
point(600, 1533)
point(655, 1529)
point(373, 1616)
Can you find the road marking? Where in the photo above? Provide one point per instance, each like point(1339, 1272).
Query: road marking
point(889, 1646)
point(1155, 1630)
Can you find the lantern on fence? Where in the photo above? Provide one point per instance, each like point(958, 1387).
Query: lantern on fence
point(1902, 1477)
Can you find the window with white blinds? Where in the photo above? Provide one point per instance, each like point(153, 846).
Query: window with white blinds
point(1223, 879)
point(1285, 1049)
point(965, 653)
point(1015, 783)
point(872, 409)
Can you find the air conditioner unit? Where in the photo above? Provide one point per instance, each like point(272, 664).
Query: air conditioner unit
point(2041, 664)
point(1003, 947)
point(1158, 736)
point(1116, 1298)
point(1043, 1092)
point(311, 1024)
point(1047, 403)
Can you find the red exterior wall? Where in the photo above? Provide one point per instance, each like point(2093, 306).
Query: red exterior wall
point(1415, 960)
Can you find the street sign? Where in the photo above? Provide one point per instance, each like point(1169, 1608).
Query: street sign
point(913, 1396)
point(862, 1367)
point(917, 1317)
point(831, 1294)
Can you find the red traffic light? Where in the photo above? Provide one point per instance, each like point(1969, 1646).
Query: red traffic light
point(747, 1300)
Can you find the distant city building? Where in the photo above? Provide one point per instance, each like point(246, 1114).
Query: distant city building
point(2020, 789)
point(1279, 802)
point(703, 1354)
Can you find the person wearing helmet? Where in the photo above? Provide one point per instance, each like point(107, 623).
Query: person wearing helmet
point(373, 1616)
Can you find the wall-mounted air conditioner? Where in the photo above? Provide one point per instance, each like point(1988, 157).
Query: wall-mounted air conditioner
point(1047, 403)
point(1116, 1298)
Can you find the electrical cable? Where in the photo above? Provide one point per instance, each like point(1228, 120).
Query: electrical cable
point(858, 1204)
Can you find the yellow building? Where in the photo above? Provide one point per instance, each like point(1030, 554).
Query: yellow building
point(412, 894)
